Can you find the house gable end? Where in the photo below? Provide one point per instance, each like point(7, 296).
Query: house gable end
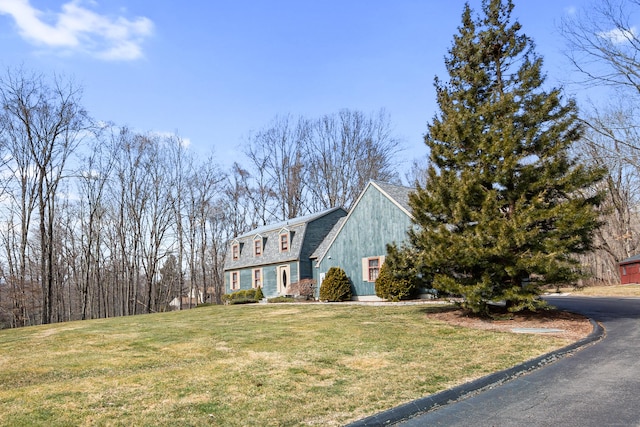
point(359, 245)
point(397, 195)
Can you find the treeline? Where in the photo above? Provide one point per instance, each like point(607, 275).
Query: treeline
point(98, 220)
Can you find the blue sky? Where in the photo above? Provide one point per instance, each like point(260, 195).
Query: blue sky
point(213, 71)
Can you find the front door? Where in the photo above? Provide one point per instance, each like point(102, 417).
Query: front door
point(283, 279)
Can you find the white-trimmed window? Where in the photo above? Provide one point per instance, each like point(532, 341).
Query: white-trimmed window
point(235, 251)
point(235, 280)
point(371, 268)
point(284, 241)
point(257, 278)
point(257, 246)
point(374, 269)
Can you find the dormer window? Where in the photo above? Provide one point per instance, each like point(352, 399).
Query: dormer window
point(257, 246)
point(284, 241)
point(235, 250)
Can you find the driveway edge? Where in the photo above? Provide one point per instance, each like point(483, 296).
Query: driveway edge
point(463, 391)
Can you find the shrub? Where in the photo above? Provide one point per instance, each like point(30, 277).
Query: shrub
point(393, 288)
point(259, 295)
point(244, 296)
point(303, 288)
point(281, 299)
point(236, 301)
point(336, 286)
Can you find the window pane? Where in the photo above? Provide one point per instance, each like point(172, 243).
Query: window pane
point(374, 269)
point(256, 278)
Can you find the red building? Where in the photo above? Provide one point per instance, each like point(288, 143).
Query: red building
point(630, 270)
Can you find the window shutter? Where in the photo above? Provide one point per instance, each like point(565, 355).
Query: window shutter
point(365, 269)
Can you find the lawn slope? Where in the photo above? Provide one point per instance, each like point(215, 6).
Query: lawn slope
point(315, 364)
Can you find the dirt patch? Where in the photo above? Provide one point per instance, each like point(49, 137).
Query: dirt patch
point(572, 326)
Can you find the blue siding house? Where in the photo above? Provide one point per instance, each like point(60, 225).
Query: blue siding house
point(275, 256)
point(358, 243)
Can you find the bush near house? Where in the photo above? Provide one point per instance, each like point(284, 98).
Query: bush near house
point(245, 296)
point(281, 299)
point(304, 288)
point(393, 288)
point(336, 286)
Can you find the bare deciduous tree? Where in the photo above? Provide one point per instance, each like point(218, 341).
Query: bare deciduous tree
point(236, 201)
point(304, 165)
point(610, 142)
point(345, 151)
point(48, 121)
point(604, 47)
point(603, 44)
point(204, 184)
point(277, 152)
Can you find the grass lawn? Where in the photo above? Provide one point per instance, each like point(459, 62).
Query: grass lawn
point(606, 291)
point(276, 364)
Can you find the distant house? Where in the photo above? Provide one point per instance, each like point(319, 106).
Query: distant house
point(630, 270)
point(358, 243)
point(275, 256)
point(187, 301)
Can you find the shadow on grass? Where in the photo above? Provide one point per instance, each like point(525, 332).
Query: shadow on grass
point(548, 314)
point(437, 309)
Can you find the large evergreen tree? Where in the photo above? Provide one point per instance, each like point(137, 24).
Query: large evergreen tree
point(505, 207)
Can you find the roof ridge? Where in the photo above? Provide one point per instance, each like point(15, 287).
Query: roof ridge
point(288, 222)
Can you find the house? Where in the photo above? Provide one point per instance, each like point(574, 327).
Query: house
point(358, 243)
point(630, 270)
point(187, 301)
point(275, 256)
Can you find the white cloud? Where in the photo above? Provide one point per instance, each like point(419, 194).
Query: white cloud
point(185, 142)
point(619, 36)
point(79, 29)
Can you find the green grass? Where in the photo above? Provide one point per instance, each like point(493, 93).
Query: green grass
point(284, 365)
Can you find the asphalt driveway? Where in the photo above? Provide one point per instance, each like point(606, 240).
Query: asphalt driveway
point(599, 385)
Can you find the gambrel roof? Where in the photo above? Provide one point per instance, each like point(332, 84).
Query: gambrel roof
point(295, 228)
point(301, 220)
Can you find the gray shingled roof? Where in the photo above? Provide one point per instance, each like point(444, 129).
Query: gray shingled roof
point(287, 223)
point(630, 260)
point(270, 235)
point(320, 250)
point(397, 193)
